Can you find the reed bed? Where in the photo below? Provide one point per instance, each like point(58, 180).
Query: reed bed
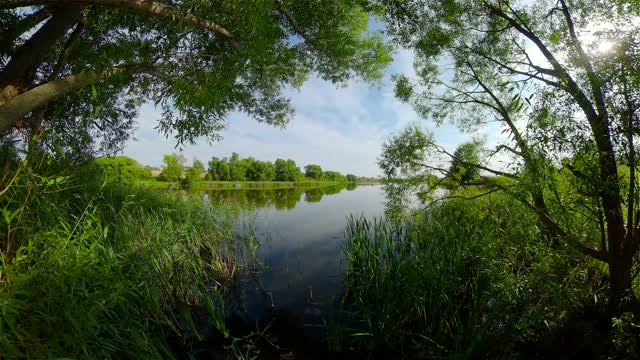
point(94, 270)
point(461, 279)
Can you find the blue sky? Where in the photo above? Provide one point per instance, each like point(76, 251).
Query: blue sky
point(339, 128)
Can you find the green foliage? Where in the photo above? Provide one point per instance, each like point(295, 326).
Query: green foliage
point(214, 168)
point(261, 171)
point(626, 332)
point(465, 161)
point(193, 175)
point(197, 164)
point(352, 178)
point(172, 168)
point(334, 176)
point(405, 162)
point(287, 170)
point(314, 172)
point(477, 63)
point(107, 272)
point(121, 169)
point(236, 168)
point(476, 278)
point(197, 75)
point(224, 172)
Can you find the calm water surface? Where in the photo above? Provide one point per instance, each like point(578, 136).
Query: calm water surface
point(301, 232)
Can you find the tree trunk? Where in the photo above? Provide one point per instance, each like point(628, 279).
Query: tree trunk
point(16, 76)
point(621, 296)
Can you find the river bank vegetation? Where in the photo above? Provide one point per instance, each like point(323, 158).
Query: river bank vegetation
point(524, 240)
point(108, 270)
point(521, 244)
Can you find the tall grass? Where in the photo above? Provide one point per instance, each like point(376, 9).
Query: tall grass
point(461, 280)
point(108, 271)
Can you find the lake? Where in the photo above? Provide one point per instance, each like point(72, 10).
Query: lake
point(300, 232)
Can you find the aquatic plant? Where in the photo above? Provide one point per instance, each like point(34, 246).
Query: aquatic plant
point(461, 280)
point(95, 270)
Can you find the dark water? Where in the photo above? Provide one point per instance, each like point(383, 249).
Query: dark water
point(300, 232)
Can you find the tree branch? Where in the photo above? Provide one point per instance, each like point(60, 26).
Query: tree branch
point(17, 107)
point(36, 117)
point(147, 7)
point(10, 35)
point(572, 86)
point(594, 81)
point(503, 111)
point(17, 74)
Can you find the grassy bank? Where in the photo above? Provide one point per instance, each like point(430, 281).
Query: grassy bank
point(108, 271)
point(472, 279)
point(205, 185)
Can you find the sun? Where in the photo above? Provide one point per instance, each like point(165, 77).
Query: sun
point(605, 46)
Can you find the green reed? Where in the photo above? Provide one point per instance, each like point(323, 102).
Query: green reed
point(109, 271)
point(462, 279)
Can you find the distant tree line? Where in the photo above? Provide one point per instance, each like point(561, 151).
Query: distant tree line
point(233, 168)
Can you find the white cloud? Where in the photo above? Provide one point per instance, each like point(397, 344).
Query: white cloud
point(339, 128)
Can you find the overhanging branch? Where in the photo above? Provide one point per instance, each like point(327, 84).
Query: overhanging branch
point(147, 7)
point(17, 107)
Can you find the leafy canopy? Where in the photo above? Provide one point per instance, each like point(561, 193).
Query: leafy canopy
point(81, 70)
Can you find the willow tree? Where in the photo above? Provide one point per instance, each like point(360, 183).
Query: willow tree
point(80, 69)
point(562, 80)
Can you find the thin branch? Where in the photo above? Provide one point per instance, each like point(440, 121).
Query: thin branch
point(512, 70)
point(503, 110)
point(572, 86)
point(292, 22)
point(594, 81)
point(66, 51)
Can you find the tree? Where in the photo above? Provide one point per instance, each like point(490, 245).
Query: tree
point(198, 165)
point(574, 103)
point(66, 61)
point(172, 169)
point(237, 171)
point(465, 162)
point(261, 171)
point(224, 172)
point(281, 170)
point(214, 165)
point(334, 176)
point(122, 169)
point(293, 171)
point(314, 172)
point(239, 167)
point(287, 170)
point(193, 174)
point(352, 178)
point(196, 170)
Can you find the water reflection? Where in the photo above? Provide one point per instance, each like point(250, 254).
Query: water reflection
point(279, 198)
point(301, 233)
